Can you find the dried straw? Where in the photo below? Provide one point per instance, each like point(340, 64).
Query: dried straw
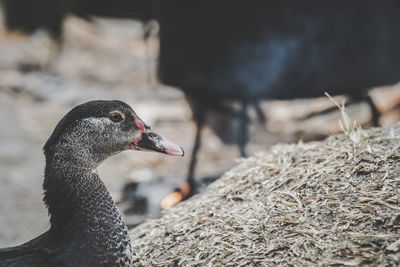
point(335, 202)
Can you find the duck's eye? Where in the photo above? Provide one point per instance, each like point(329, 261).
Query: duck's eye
point(116, 116)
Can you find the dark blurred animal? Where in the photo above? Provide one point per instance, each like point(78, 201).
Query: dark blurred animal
point(228, 55)
point(246, 51)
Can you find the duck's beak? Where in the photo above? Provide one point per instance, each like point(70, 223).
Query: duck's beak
point(152, 141)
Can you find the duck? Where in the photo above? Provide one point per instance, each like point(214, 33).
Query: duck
point(86, 227)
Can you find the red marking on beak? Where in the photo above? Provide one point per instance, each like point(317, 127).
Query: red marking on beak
point(139, 124)
point(136, 140)
point(134, 146)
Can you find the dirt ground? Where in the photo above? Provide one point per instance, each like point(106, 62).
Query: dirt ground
point(108, 59)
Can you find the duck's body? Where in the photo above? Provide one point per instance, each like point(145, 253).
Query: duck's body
point(86, 226)
point(86, 231)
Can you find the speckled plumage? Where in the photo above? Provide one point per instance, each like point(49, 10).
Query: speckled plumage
point(86, 225)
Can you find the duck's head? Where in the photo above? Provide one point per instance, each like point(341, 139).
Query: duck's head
point(93, 131)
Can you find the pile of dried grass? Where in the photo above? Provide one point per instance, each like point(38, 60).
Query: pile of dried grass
point(323, 203)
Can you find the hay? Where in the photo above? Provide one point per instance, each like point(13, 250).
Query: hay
point(335, 202)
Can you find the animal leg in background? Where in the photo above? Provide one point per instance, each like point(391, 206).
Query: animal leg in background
point(199, 118)
point(244, 129)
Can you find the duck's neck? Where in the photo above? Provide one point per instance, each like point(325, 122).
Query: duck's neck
point(82, 210)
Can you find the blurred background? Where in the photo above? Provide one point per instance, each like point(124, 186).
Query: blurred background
point(243, 75)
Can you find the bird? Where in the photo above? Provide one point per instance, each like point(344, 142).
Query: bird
point(246, 52)
point(86, 227)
